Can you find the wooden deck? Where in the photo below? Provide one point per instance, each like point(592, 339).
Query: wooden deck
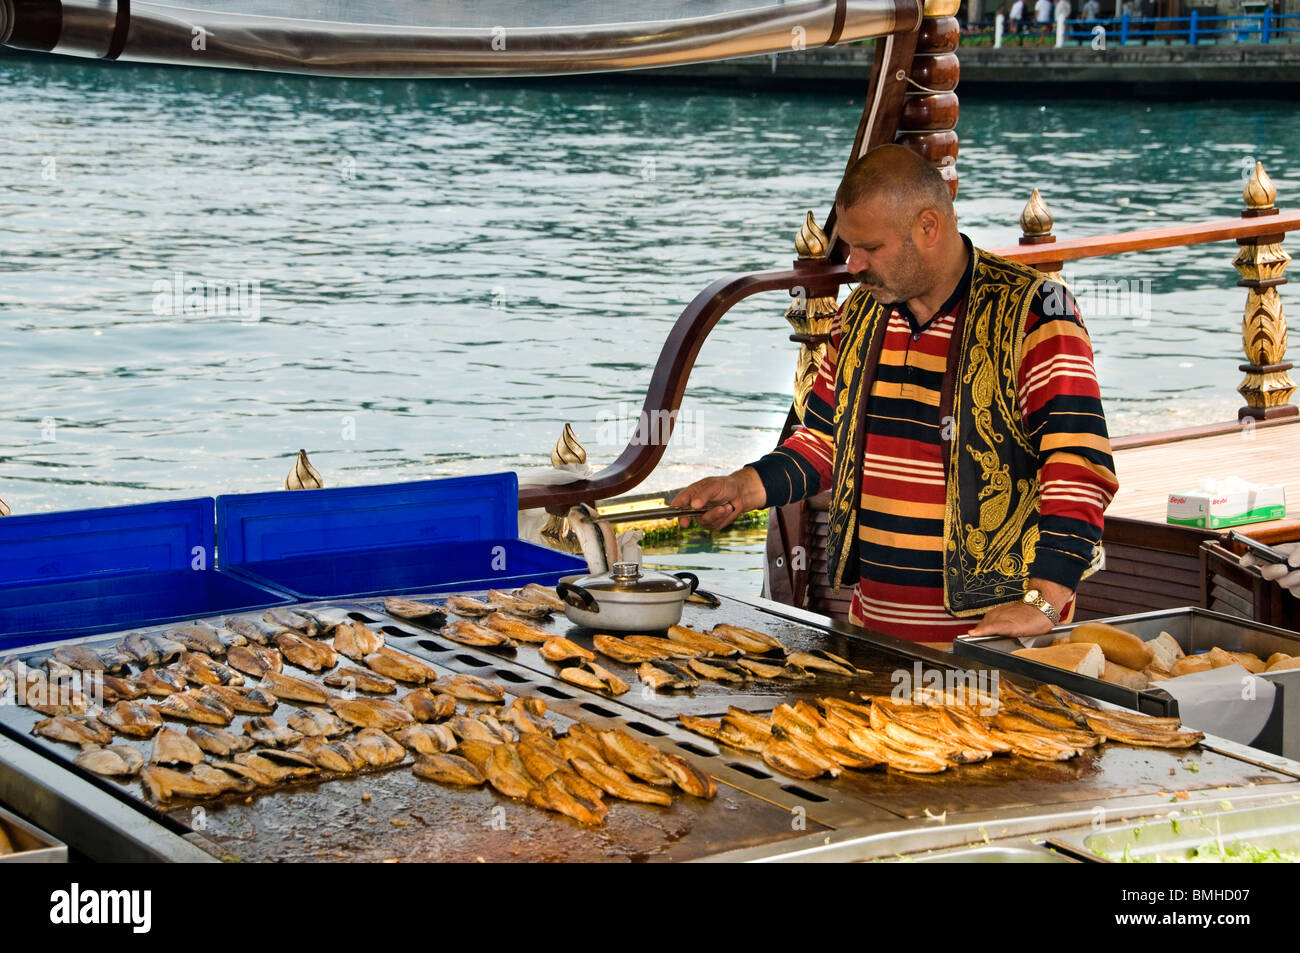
point(1149, 471)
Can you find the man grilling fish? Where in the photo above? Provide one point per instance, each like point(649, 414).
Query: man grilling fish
point(956, 420)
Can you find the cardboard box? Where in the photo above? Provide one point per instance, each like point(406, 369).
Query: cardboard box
point(1226, 507)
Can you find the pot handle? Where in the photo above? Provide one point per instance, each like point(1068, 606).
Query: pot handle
point(690, 577)
point(577, 597)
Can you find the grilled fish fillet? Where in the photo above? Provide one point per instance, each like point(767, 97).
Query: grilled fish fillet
point(269, 733)
point(448, 769)
point(291, 689)
point(424, 612)
point(376, 748)
point(254, 660)
point(257, 631)
point(132, 718)
point(424, 705)
point(306, 653)
point(160, 682)
point(520, 607)
point(514, 628)
point(172, 747)
point(669, 648)
point(469, 688)
point(74, 729)
point(635, 757)
point(715, 672)
point(195, 706)
point(557, 649)
point(198, 637)
point(372, 713)
point(218, 741)
point(399, 666)
point(467, 607)
point(428, 739)
point(749, 640)
point(688, 777)
point(163, 784)
point(471, 633)
point(356, 640)
point(704, 644)
point(621, 651)
point(505, 771)
point(201, 669)
point(278, 766)
point(338, 756)
point(360, 680)
point(225, 782)
point(618, 784)
point(242, 701)
point(300, 622)
point(113, 761)
point(534, 592)
point(666, 676)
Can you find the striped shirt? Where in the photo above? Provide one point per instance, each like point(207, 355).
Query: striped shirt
point(901, 513)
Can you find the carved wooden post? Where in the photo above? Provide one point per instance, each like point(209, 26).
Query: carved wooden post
point(1261, 262)
point(929, 119)
point(810, 313)
point(1036, 229)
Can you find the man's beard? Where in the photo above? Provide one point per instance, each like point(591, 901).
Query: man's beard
point(910, 283)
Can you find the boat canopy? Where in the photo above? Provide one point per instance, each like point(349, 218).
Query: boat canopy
point(443, 38)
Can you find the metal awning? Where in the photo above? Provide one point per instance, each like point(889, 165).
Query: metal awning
point(443, 38)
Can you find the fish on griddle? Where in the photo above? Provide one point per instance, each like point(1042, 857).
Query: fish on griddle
point(225, 781)
point(278, 765)
point(78, 658)
point(594, 677)
point(161, 682)
point(242, 700)
point(376, 748)
point(399, 666)
point(666, 676)
point(823, 661)
point(514, 628)
point(471, 729)
point(688, 777)
point(448, 769)
point(172, 747)
point(540, 595)
point(789, 759)
point(202, 669)
point(255, 660)
point(218, 741)
point(625, 652)
point(495, 726)
point(199, 637)
point(469, 688)
point(717, 670)
point(526, 718)
point(505, 771)
point(132, 718)
point(259, 778)
point(751, 641)
point(117, 688)
point(424, 705)
point(760, 668)
point(635, 757)
point(559, 649)
point(668, 648)
point(318, 723)
point(150, 650)
point(192, 705)
point(467, 607)
point(428, 739)
point(557, 793)
point(327, 619)
point(618, 784)
point(424, 613)
point(356, 640)
point(339, 756)
point(704, 644)
point(371, 713)
point(290, 689)
point(360, 680)
point(74, 730)
point(575, 745)
point(256, 631)
point(114, 761)
point(525, 609)
point(53, 698)
point(479, 636)
point(306, 653)
point(300, 622)
point(164, 784)
point(269, 733)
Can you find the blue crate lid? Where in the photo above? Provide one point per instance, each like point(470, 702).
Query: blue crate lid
point(79, 544)
point(266, 527)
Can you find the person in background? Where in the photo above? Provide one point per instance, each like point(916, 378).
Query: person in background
point(1062, 11)
point(1091, 10)
point(1043, 16)
point(1015, 16)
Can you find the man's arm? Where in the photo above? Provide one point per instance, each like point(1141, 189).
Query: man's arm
point(795, 470)
point(1060, 401)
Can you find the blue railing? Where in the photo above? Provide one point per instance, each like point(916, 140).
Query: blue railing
point(1192, 30)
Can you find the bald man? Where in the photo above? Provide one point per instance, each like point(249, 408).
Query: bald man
point(956, 421)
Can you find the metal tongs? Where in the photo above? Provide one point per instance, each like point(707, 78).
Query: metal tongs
point(637, 516)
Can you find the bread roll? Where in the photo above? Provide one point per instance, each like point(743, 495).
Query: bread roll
point(1166, 651)
point(1220, 658)
point(1282, 664)
point(1084, 658)
point(1275, 658)
point(5, 846)
point(1191, 665)
point(1119, 675)
point(1120, 647)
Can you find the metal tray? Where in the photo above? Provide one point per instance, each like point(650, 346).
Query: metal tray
point(31, 844)
point(988, 854)
point(1178, 836)
point(1196, 630)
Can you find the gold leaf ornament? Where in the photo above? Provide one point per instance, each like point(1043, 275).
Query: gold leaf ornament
point(4, 508)
point(567, 449)
point(303, 476)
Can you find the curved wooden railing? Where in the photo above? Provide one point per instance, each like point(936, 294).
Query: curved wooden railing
point(668, 383)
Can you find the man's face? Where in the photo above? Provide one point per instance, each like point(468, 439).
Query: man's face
point(882, 255)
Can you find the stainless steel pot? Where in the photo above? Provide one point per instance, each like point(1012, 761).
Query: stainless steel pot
point(627, 598)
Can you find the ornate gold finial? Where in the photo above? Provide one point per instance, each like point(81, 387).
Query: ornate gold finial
point(811, 242)
point(1260, 192)
point(567, 449)
point(1035, 219)
point(4, 508)
point(303, 476)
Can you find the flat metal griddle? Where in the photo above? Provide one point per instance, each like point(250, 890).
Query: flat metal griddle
point(1112, 771)
point(328, 819)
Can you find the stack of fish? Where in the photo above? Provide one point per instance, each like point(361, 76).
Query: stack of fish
point(728, 653)
point(931, 732)
point(387, 704)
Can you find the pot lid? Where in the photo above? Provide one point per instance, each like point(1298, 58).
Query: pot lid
point(632, 578)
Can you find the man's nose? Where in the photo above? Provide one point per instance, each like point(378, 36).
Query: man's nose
point(856, 261)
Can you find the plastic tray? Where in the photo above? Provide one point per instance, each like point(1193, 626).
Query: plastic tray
point(353, 542)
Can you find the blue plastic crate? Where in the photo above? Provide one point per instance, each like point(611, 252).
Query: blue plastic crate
point(88, 571)
point(364, 541)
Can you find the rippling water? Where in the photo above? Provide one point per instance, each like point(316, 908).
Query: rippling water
point(446, 273)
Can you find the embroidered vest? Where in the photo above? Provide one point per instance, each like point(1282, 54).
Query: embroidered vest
point(991, 511)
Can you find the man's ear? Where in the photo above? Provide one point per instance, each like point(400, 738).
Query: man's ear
point(928, 222)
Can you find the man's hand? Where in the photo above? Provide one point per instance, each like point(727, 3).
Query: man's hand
point(724, 498)
point(1019, 620)
point(1287, 574)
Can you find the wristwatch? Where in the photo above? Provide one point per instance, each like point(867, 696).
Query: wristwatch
point(1033, 597)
